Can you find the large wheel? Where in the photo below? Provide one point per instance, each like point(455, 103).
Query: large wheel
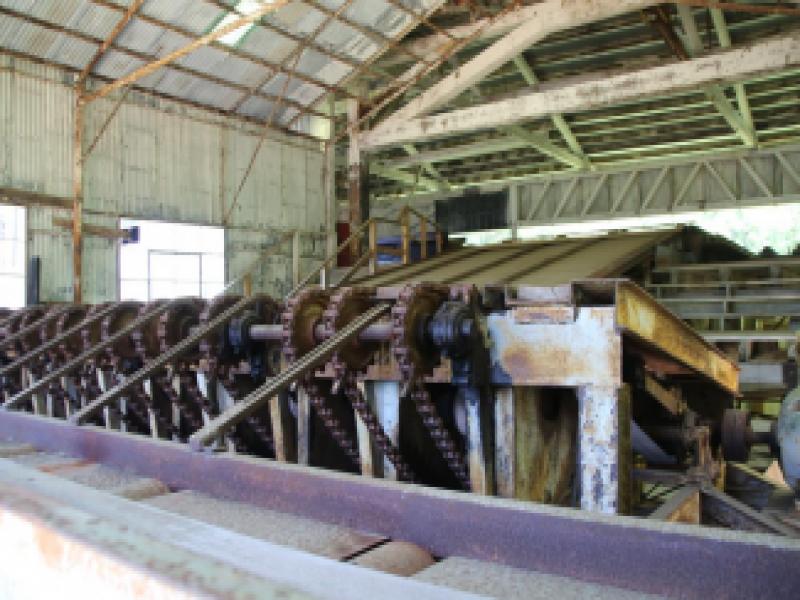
point(736, 435)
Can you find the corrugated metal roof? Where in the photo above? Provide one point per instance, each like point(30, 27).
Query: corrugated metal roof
point(307, 38)
point(530, 263)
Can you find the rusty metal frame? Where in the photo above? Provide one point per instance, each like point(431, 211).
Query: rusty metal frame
point(632, 553)
point(639, 315)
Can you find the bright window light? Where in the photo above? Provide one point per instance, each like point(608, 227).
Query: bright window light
point(244, 7)
point(776, 227)
point(12, 256)
point(172, 260)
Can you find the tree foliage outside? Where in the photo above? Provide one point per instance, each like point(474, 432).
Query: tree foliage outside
point(756, 229)
point(775, 227)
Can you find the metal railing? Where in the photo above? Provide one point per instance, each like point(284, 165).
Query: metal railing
point(366, 231)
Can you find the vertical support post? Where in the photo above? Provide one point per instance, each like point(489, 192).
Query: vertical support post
point(599, 448)
point(295, 258)
point(405, 236)
point(439, 240)
point(423, 239)
point(373, 247)
point(247, 285)
point(303, 427)
point(77, 199)
point(505, 442)
point(478, 442)
point(354, 176)
point(513, 211)
point(282, 428)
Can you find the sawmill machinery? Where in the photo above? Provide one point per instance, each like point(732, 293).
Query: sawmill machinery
point(574, 394)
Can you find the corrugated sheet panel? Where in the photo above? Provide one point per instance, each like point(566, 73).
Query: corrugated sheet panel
point(162, 162)
point(35, 131)
point(290, 26)
point(542, 263)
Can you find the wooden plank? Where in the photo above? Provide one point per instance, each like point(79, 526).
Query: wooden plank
point(544, 19)
point(283, 429)
point(742, 63)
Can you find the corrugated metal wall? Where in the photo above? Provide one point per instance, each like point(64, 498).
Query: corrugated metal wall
point(156, 160)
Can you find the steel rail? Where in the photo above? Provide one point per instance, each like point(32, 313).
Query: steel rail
point(157, 363)
point(42, 383)
point(86, 322)
point(668, 559)
point(250, 403)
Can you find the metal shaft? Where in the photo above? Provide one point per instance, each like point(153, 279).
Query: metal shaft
point(55, 341)
point(157, 363)
point(380, 331)
point(18, 399)
point(255, 400)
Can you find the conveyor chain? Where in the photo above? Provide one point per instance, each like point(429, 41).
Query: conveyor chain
point(154, 365)
point(259, 396)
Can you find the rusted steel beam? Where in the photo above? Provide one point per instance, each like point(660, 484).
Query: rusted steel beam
point(640, 315)
point(145, 70)
point(627, 552)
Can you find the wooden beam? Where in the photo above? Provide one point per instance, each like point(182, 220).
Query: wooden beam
point(411, 150)
point(716, 95)
point(96, 230)
point(77, 199)
point(724, 38)
point(145, 70)
point(478, 148)
point(118, 29)
point(559, 121)
point(767, 56)
point(405, 177)
point(542, 20)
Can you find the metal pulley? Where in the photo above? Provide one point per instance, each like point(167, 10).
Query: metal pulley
point(788, 437)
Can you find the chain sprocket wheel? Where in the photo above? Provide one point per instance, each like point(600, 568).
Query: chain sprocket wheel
point(215, 347)
point(123, 355)
point(303, 313)
point(177, 322)
point(56, 355)
point(219, 361)
point(351, 358)
point(415, 305)
point(67, 321)
point(124, 314)
point(32, 339)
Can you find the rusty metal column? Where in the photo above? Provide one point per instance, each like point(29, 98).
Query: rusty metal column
point(355, 177)
point(601, 446)
point(77, 197)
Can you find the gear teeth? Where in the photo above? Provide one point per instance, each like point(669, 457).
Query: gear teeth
point(401, 351)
